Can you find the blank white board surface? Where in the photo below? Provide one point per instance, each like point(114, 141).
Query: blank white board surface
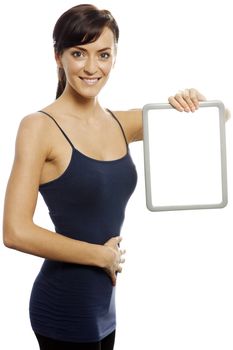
point(185, 157)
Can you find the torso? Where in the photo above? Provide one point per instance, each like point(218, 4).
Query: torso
point(72, 302)
point(102, 140)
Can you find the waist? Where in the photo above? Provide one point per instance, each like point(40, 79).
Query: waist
point(60, 273)
point(97, 233)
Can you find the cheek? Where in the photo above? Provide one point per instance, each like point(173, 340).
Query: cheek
point(74, 67)
point(106, 67)
point(72, 71)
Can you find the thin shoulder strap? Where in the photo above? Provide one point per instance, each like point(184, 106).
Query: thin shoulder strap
point(119, 125)
point(67, 138)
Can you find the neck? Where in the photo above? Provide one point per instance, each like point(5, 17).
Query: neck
point(71, 102)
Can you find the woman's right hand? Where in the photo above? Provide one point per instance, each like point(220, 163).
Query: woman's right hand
point(114, 258)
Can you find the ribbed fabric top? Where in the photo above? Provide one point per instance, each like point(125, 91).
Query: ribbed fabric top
point(72, 302)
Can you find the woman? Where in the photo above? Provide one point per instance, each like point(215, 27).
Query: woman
point(76, 154)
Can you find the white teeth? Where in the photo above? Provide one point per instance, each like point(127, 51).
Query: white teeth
point(90, 81)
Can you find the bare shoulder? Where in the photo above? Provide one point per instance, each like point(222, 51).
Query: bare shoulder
point(33, 132)
point(31, 152)
point(33, 122)
point(131, 121)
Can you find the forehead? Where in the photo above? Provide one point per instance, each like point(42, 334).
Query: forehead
point(106, 39)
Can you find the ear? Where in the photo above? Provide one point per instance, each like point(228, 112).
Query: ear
point(114, 62)
point(115, 56)
point(58, 59)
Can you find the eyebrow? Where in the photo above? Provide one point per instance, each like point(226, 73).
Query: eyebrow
point(101, 50)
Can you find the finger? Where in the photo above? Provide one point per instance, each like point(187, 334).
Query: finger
point(119, 269)
point(122, 260)
point(189, 100)
point(118, 239)
point(175, 103)
point(196, 97)
point(181, 98)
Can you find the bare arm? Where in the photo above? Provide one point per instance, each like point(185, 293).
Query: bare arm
point(187, 100)
point(131, 121)
point(19, 230)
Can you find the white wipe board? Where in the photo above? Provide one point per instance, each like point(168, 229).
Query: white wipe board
point(185, 157)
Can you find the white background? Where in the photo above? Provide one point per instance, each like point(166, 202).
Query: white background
point(176, 289)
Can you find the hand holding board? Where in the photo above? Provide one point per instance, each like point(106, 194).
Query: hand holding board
point(185, 157)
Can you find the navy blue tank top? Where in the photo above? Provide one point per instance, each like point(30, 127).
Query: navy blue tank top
point(72, 302)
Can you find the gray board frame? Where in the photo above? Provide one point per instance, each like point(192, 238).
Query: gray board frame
point(147, 165)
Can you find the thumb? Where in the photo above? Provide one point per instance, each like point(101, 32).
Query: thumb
point(113, 278)
point(227, 114)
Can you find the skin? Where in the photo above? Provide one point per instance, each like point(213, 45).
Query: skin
point(42, 153)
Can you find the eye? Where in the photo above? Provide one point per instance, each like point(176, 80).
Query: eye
point(77, 54)
point(104, 55)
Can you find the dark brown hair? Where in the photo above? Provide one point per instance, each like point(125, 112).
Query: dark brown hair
point(80, 25)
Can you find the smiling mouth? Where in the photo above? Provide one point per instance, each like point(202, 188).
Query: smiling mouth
point(90, 81)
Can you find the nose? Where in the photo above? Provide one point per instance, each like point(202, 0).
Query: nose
point(90, 67)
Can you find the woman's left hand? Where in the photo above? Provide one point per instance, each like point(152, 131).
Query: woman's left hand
point(186, 100)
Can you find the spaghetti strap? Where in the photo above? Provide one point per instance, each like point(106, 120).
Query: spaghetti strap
point(67, 138)
point(119, 125)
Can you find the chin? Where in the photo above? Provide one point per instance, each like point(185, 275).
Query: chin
point(88, 94)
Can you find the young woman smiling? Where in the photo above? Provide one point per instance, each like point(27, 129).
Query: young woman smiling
point(75, 152)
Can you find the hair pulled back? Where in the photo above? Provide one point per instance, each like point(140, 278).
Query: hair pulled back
point(80, 25)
